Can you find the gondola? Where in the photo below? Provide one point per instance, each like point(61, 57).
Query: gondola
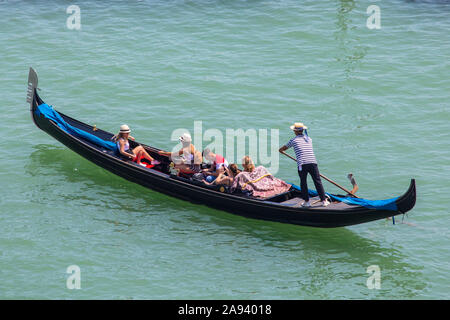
point(283, 208)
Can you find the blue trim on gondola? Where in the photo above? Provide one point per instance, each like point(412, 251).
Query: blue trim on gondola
point(388, 204)
point(48, 112)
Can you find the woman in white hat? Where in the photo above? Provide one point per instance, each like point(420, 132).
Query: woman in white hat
point(123, 145)
point(306, 162)
point(187, 158)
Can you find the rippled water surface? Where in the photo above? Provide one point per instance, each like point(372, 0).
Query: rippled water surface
point(376, 102)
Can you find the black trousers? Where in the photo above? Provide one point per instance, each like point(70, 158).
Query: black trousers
point(313, 170)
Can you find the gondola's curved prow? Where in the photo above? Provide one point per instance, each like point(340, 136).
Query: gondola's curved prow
point(34, 100)
point(32, 97)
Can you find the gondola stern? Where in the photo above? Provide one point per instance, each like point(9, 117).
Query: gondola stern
point(408, 200)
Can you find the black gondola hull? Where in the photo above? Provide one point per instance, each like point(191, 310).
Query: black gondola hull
point(247, 207)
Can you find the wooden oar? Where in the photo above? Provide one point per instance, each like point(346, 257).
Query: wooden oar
point(329, 180)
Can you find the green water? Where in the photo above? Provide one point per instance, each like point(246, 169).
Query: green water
point(376, 103)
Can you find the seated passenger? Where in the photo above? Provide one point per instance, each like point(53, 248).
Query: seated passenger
point(258, 181)
point(227, 177)
point(123, 145)
point(219, 163)
point(187, 159)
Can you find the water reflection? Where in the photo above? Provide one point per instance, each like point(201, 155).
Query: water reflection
point(318, 248)
point(89, 183)
point(56, 166)
point(323, 250)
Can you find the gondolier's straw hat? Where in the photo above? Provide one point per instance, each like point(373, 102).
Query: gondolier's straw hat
point(298, 126)
point(124, 129)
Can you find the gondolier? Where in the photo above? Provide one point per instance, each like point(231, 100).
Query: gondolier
point(306, 162)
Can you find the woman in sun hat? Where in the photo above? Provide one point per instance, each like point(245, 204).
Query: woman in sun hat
point(121, 139)
point(306, 162)
point(187, 159)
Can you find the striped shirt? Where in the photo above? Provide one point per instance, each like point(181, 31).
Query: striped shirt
point(303, 150)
